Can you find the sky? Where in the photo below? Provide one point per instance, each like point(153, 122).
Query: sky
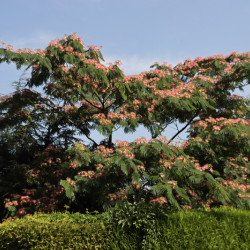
point(136, 32)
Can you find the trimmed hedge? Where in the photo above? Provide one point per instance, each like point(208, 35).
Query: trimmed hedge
point(63, 231)
point(221, 228)
point(216, 229)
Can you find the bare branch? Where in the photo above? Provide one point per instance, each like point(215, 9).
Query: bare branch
point(184, 126)
point(91, 139)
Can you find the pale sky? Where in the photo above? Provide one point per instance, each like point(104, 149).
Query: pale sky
point(137, 32)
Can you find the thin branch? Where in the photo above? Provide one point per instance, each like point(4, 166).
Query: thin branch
point(98, 97)
point(91, 139)
point(90, 104)
point(83, 132)
point(116, 129)
point(184, 126)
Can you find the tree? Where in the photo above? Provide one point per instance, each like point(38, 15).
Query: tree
point(82, 95)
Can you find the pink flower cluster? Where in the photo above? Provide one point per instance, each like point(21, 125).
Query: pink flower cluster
point(104, 151)
point(181, 91)
point(220, 122)
point(141, 140)
point(88, 174)
point(172, 184)
point(95, 48)
point(186, 207)
point(80, 146)
point(70, 181)
point(121, 143)
point(124, 115)
point(112, 196)
point(25, 50)
point(236, 186)
point(140, 168)
point(97, 65)
point(161, 200)
point(126, 152)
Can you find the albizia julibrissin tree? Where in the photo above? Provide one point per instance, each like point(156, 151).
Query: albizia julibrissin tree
point(81, 94)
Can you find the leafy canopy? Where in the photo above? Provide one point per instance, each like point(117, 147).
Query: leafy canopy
point(41, 133)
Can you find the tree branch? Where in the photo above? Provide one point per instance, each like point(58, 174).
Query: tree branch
point(110, 141)
point(96, 144)
point(184, 126)
point(91, 140)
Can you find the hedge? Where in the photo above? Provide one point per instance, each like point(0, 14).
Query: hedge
point(195, 229)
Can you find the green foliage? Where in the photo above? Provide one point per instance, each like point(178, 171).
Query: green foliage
point(44, 165)
point(140, 219)
point(63, 231)
point(159, 228)
point(144, 172)
point(130, 226)
point(215, 229)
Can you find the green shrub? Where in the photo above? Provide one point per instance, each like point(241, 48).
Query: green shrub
point(140, 219)
point(158, 228)
point(215, 229)
point(63, 231)
point(144, 228)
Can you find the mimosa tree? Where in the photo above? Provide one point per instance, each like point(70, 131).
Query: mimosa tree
point(42, 132)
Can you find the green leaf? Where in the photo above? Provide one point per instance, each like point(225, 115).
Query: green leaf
point(171, 198)
point(82, 71)
point(182, 193)
point(159, 189)
point(157, 146)
point(46, 62)
point(68, 189)
point(98, 157)
point(12, 209)
point(124, 167)
point(69, 59)
point(195, 179)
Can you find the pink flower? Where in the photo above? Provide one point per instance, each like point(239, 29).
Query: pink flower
point(21, 211)
point(95, 48)
point(217, 128)
point(121, 143)
point(161, 200)
point(140, 168)
point(186, 207)
point(162, 175)
point(112, 197)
